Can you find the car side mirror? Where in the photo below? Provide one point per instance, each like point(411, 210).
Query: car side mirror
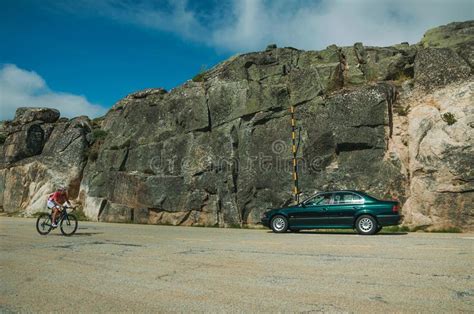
point(303, 205)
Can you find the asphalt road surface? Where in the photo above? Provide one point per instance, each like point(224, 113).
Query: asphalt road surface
point(125, 267)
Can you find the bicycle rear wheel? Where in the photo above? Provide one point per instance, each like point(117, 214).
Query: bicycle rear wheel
point(69, 225)
point(43, 224)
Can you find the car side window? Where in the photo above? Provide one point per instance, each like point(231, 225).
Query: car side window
point(357, 199)
point(347, 198)
point(324, 200)
point(321, 199)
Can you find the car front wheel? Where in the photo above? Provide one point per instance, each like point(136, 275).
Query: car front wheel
point(366, 225)
point(279, 224)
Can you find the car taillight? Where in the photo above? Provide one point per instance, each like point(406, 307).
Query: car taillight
point(395, 208)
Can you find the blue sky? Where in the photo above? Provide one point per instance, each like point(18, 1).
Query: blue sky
point(81, 56)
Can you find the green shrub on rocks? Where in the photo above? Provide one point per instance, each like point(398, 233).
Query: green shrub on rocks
point(402, 111)
point(99, 134)
point(93, 155)
point(402, 77)
point(200, 76)
point(449, 118)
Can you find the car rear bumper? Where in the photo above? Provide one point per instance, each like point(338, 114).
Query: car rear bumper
point(389, 220)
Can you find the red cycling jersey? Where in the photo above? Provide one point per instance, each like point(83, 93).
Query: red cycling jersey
point(59, 197)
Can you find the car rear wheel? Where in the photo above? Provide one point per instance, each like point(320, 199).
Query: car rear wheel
point(366, 225)
point(279, 224)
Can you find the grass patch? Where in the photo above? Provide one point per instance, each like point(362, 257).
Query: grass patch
point(36, 215)
point(419, 228)
point(200, 77)
point(449, 118)
point(447, 230)
point(99, 134)
point(402, 77)
point(396, 229)
point(234, 226)
point(204, 226)
point(20, 214)
point(80, 215)
point(97, 122)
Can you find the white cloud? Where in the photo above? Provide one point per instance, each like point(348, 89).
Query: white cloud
point(22, 88)
point(317, 24)
point(243, 25)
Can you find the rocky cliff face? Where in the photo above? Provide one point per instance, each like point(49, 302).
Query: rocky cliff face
point(41, 152)
point(395, 121)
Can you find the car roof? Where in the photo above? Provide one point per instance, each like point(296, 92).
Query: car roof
point(340, 191)
point(364, 194)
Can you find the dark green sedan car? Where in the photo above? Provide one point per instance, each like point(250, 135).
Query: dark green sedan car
point(335, 210)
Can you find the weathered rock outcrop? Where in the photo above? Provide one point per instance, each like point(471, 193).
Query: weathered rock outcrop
point(216, 150)
point(440, 131)
point(40, 153)
point(441, 157)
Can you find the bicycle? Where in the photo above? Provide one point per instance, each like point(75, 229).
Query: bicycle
point(67, 223)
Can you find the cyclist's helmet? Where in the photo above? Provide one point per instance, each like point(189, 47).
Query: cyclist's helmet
point(62, 189)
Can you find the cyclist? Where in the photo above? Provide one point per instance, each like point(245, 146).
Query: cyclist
point(56, 202)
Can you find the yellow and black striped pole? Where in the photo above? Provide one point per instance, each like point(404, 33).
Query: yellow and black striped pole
point(293, 149)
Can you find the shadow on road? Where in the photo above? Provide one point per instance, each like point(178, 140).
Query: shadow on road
point(86, 233)
point(346, 233)
point(79, 234)
point(392, 233)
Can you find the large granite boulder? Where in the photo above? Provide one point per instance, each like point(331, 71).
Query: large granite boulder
point(456, 37)
point(26, 115)
point(40, 154)
point(435, 67)
point(28, 132)
point(441, 154)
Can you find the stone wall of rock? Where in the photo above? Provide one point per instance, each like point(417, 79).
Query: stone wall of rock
point(441, 157)
point(217, 150)
point(40, 153)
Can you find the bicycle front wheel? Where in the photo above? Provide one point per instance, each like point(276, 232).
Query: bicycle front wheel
point(69, 225)
point(43, 224)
